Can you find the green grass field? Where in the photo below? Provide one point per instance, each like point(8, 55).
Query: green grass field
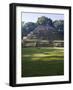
point(44, 61)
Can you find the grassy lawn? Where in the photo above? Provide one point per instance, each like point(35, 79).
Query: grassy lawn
point(42, 61)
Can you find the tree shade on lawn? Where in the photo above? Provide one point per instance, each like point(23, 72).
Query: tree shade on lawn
point(42, 61)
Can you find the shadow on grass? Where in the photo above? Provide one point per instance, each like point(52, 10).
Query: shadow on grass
point(42, 68)
point(38, 50)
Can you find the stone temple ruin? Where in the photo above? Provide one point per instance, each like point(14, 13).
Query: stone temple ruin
point(43, 36)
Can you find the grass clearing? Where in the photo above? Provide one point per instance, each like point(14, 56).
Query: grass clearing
point(42, 61)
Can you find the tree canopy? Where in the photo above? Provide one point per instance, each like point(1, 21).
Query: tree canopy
point(44, 22)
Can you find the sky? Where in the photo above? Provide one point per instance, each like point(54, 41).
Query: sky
point(32, 17)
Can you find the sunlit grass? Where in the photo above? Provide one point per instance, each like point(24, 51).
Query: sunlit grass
point(51, 54)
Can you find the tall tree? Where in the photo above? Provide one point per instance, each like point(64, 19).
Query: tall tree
point(44, 21)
